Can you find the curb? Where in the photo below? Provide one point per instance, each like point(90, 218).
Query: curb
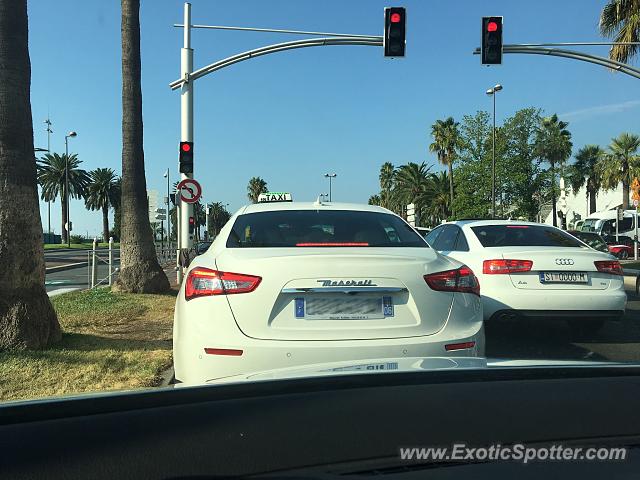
point(62, 268)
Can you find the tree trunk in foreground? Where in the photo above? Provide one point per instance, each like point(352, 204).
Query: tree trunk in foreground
point(27, 318)
point(140, 270)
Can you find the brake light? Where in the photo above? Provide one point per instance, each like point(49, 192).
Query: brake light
point(459, 346)
point(202, 282)
point(612, 267)
point(460, 280)
point(332, 244)
point(499, 266)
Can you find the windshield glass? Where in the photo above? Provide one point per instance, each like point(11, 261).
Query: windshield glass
point(523, 236)
point(192, 194)
point(307, 228)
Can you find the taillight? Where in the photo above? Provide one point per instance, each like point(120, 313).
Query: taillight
point(609, 266)
point(498, 266)
point(203, 282)
point(460, 280)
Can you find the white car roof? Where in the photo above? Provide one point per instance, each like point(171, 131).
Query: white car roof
point(279, 206)
point(481, 223)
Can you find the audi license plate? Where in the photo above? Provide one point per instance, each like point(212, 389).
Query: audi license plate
point(564, 277)
point(343, 308)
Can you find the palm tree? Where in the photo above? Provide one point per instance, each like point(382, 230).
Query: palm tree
point(446, 140)
point(553, 144)
point(412, 185)
point(27, 319)
point(218, 216)
point(140, 271)
point(52, 178)
point(387, 178)
point(256, 186)
point(101, 195)
point(375, 200)
point(439, 207)
point(620, 21)
point(621, 164)
point(584, 172)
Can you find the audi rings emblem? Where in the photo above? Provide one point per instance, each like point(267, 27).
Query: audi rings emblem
point(564, 261)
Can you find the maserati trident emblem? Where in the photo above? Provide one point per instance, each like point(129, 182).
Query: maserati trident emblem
point(347, 283)
point(564, 261)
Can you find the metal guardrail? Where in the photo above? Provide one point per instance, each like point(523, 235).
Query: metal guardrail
point(94, 260)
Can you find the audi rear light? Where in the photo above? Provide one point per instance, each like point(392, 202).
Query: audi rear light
point(501, 266)
point(612, 267)
point(202, 282)
point(460, 280)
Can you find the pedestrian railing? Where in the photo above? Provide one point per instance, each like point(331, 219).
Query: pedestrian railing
point(95, 258)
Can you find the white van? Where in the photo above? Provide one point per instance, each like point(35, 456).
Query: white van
point(604, 224)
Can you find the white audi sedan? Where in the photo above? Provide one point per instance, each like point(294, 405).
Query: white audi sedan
point(295, 284)
point(535, 270)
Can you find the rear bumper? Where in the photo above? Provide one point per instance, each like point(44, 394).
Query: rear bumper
point(193, 366)
point(567, 303)
point(561, 314)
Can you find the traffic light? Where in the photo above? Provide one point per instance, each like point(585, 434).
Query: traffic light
point(394, 31)
point(491, 49)
point(186, 157)
point(192, 225)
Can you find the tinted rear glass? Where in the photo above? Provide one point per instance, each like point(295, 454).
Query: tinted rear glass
point(592, 239)
point(523, 236)
point(291, 228)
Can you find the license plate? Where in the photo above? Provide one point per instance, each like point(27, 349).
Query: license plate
point(564, 277)
point(343, 308)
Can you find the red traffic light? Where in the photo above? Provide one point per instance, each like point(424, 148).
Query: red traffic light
point(192, 221)
point(492, 27)
point(395, 18)
point(186, 147)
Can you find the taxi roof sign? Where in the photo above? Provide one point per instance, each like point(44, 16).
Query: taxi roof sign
point(271, 197)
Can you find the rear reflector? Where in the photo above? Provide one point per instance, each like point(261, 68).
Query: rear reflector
point(460, 280)
point(223, 351)
point(499, 266)
point(332, 244)
point(202, 282)
point(609, 266)
point(459, 346)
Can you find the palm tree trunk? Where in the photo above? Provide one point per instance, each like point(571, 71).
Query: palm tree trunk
point(592, 201)
point(64, 215)
point(105, 223)
point(140, 271)
point(450, 166)
point(27, 318)
point(553, 195)
point(625, 185)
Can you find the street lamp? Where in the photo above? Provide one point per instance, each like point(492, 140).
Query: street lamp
point(330, 176)
point(66, 182)
point(492, 92)
point(48, 123)
point(166, 175)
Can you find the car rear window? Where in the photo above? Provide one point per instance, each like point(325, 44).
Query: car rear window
point(523, 236)
point(330, 228)
point(592, 239)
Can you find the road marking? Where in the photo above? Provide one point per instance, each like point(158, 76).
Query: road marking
point(61, 290)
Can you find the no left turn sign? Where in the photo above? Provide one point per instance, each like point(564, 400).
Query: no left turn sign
point(189, 190)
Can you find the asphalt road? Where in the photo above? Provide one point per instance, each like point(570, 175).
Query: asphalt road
point(76, 278)
point(552, 338)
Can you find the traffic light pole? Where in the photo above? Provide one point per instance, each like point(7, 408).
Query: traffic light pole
point(185, 238)
point(533, 49)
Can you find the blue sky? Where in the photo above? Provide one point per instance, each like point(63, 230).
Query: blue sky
point(293, 116)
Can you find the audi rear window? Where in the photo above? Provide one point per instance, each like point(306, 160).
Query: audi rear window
point(523, 236)
point(313, 228)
